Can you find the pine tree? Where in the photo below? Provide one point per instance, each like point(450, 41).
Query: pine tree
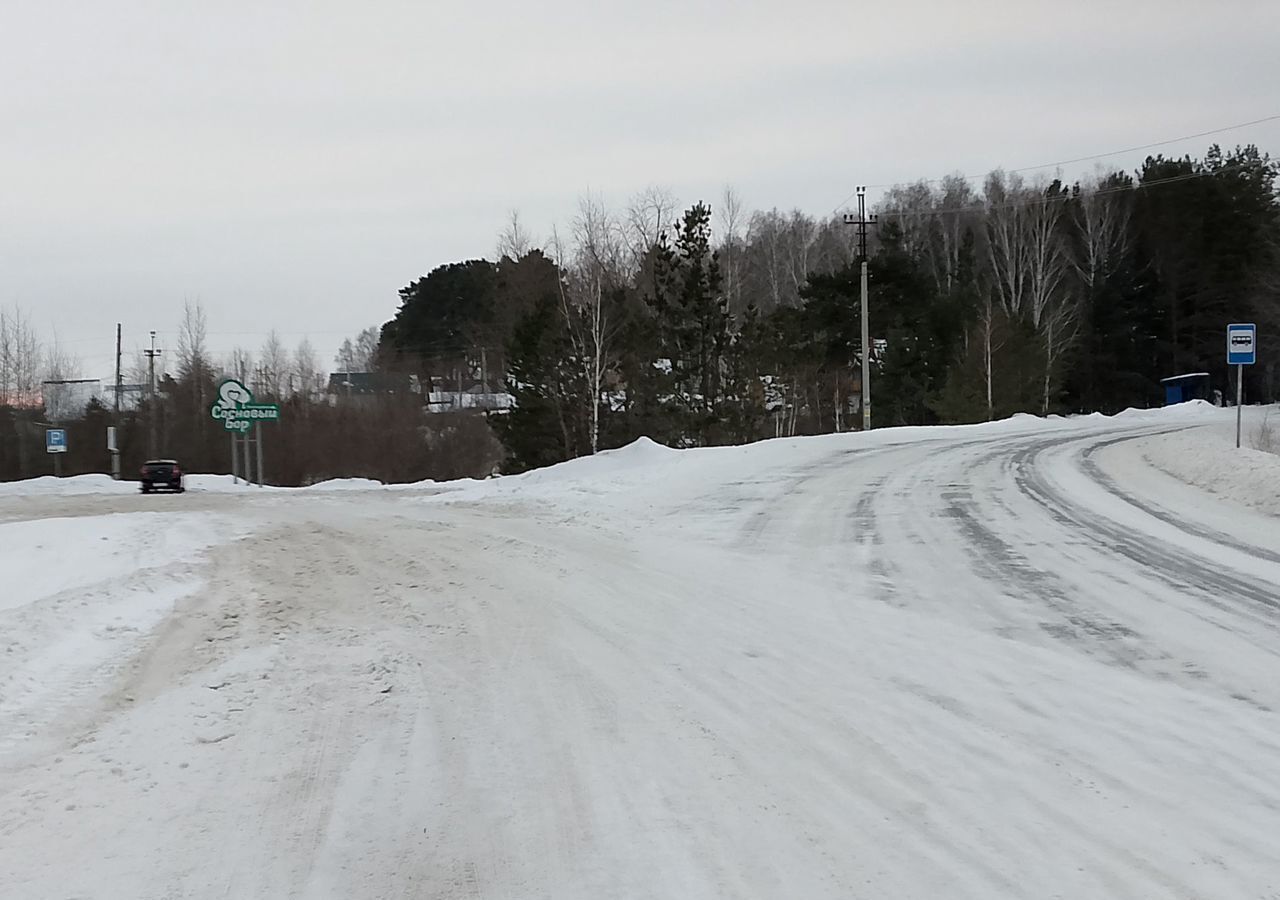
point(693, 325)
point(545, 376)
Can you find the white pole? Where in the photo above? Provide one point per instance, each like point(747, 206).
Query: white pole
point(1239, 401)
point(866, 354)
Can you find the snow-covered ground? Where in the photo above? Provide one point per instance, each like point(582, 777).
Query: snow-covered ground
point(1026, 659)
point(1207, 457)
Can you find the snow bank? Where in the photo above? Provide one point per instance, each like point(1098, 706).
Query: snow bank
point(47, 485)
point(1206, 457)
point(217, 484)
point(209, 484)
point(1189, 411)
point(345, 484)
point(225, 484)
point(34, 554)
point(638, 464)
point(79, 485)
point(78, 594)
point(646, 465)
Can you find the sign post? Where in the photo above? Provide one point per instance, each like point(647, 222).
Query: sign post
point(55, 442)
point(1242, 350)
point(238, 413)
point(114, 449)
point(248, 463)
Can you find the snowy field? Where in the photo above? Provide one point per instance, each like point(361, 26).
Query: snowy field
point(1026, 659)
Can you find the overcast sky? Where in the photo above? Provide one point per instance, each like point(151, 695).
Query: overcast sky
point(293, 164)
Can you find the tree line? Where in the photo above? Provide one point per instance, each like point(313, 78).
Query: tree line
point(1010, 296)
point(384, 435)
point(715, 325)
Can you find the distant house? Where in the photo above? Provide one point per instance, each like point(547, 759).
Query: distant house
point(469, 394)
point(365, 386)
point(66, 401)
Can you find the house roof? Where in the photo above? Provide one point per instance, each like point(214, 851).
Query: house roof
point(367, 382)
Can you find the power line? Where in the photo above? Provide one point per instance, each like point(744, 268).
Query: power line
point(1189, 137)
point(1080, 159)
point(173, 333)
point(1136, 186)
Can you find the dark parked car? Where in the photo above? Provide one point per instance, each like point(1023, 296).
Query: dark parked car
point(159, 474)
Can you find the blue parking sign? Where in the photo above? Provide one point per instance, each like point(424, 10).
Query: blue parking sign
point(1242, 345)
point(55, 440)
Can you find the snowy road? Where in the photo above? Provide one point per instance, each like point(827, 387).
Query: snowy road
point(1004, 661)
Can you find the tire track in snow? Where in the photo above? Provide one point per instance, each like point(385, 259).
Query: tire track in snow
point(1253, 598)
point(1091, 467)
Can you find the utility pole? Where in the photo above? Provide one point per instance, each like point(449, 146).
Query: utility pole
point(118, 382)
point(152, 447)
point(861, 221)
point(115, 420)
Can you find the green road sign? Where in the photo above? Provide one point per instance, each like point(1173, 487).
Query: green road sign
point(236, 410)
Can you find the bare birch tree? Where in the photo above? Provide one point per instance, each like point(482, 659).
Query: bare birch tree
point(766, 259)
point(59, 363)
point(1006, 204)
point(514, 241)
point(956, 212)
point(346, 358)
point(137, 371)
point(650, 214)
point(1102, 220)
point(1028, 263)
point(274, 365)
point(240, 364)
point(800, 237)
point(62, 400)
point(1058, 327)
point(934, 220)
point(366, 349)
point(192, 353)
point(1053, 306)
point(988, 331)
point(730, 218)
point(6, 357)
point(21, 358)
point(1044, 253)
point(912, 208)
point(193, 332)
point(599, 269)
point(306, 377)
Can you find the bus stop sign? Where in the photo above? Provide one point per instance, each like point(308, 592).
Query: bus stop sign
point(1242, 345)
